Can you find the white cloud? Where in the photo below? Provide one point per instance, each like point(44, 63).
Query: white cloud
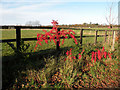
point(20, 13)
point(24, 13)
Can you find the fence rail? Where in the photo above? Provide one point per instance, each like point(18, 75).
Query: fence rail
point(31, 39)
point(18, 34)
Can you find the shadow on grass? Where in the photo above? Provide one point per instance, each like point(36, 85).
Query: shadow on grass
point(14, 64)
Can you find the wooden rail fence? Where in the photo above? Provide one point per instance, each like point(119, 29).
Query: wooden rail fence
point(18, 34)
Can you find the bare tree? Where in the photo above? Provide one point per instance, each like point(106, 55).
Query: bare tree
point(33, 23)
point(119, 14)
point(111, 18)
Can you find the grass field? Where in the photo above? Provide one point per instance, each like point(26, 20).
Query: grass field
point(46, 68)
point(11, 34)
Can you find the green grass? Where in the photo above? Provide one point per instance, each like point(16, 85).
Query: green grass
point(11, 33)
point(103, 28)
point(39, 70)
point(46, 68)
point(8, 34)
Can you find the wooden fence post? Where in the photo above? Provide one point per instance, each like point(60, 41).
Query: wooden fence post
point(81, 34)
point(112, 34)
point(18, 38)
point(118, 43)
point(105, 35)
point(57, 44)
point(108, 37)
point(96, 36)
point(113, 40)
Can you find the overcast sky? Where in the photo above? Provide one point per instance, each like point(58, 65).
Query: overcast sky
point(18, 12)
